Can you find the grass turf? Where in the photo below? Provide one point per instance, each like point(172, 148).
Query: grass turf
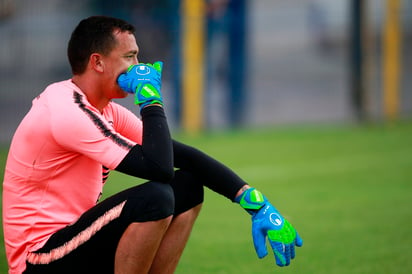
point(347, 190)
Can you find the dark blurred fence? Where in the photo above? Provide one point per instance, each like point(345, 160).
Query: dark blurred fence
point(297, 64)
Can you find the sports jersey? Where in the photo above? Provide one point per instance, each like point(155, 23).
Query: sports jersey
point(58, 161)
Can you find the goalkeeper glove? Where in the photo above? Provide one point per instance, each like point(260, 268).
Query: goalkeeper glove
point(144, 80)
point(267, 221)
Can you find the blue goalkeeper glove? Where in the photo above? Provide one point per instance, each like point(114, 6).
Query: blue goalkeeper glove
point(144, 80)
point(267, 221)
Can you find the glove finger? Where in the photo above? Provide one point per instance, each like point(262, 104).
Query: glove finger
point(157, 83)
point(158, 65)
point(124, 83)
point(288, 254)
point(279, 252)
point(259, 241)
point(130, 68)
point(292, 251)
point(298, 240)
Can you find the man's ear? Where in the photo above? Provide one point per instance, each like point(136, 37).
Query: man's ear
point(96, 62)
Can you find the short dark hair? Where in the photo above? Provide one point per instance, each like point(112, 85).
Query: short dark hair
point(94, 34)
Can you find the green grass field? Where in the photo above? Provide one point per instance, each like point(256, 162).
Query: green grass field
point(346, 189)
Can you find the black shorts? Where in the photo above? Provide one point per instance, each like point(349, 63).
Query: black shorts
point(89, 245)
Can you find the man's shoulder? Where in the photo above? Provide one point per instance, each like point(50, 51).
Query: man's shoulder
point(61, 100)
point(57, 91)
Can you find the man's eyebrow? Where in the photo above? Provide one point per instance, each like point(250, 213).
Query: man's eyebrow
point(134, 52)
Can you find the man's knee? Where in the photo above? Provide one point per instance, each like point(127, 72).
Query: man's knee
point(188, 191)
point(151, 201)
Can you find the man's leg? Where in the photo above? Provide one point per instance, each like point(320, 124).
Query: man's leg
point(138, 246)
point(174, 242)
point(156, 247)
point(188, 194)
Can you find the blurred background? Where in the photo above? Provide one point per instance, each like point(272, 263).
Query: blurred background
point(228, 63)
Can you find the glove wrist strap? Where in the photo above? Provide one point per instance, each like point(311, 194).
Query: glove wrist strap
point(251, 200)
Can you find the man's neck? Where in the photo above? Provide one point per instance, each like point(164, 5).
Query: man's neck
point(94, 96)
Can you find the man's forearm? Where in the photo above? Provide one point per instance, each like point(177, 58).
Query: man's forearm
point(214, 174)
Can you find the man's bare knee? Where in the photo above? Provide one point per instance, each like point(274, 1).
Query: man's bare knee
point(139, 244)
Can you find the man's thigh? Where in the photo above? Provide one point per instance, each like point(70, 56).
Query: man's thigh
point(89, 245)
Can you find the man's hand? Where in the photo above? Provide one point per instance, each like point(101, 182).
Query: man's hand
point(267, 221)
point(144, 80)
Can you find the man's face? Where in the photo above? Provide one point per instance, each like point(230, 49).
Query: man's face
point(120, 58)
